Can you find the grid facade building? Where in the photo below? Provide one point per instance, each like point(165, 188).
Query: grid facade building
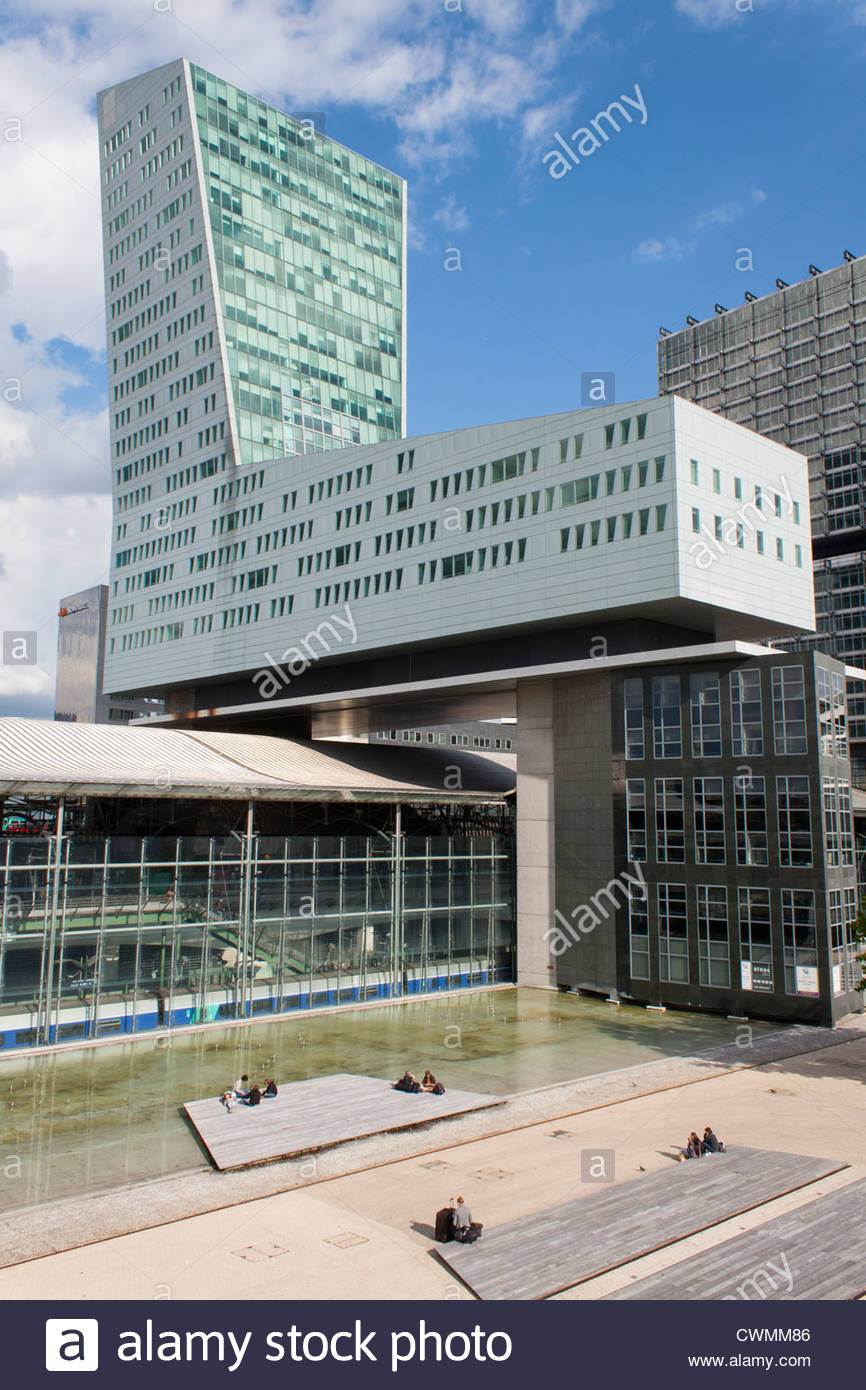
point(732, 792)
point(699, 840)
point(255, 297)
point(655, 511)
point(792, 366)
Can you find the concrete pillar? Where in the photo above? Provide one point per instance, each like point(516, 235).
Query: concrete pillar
point(535, 832)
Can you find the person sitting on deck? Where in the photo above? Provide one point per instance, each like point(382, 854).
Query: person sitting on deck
point(407, 1082)
point(241, 1087)
point(229, 1100)
point(431, 1084)
point(270, 1089)
point(255, 1096)
point(711, 1144)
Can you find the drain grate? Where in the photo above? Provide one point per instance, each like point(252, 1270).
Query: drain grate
point(491, 1174)
point(254, 1253)
point(436, 1163)
point(346, 1239)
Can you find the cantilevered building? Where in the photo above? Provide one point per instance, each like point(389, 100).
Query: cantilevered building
point(255, 297)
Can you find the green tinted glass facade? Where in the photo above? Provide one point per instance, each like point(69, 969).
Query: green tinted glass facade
point(309, 242)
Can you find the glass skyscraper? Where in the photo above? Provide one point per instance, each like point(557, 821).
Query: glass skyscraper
point(255, 299)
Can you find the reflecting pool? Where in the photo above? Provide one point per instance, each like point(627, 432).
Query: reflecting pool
point(81, 1121)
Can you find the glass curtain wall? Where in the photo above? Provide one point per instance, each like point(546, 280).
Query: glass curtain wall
point(125, 934)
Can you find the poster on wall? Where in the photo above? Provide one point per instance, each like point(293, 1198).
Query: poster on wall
point(807, 979)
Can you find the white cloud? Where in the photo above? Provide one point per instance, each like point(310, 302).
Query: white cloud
point(49, 547)
point(714, 13)
point(673, 248)
point(451, 217)
point(655, 249)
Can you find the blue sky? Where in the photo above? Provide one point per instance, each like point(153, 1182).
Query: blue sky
point(752, 150)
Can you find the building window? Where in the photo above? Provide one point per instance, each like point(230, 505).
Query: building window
point(667, 717)
point(738, 489)
point(747, 732)
point(780, 548)
point(641, 426)
point(831, 822)
point(696, 519)
point(795, 822)
point(789, 709)
point(632, 693)
point(709, 795)
point(635, 799)
point(756, 941)
point(759, 498)
point(673, 933)
point(798, 934)
point(846, 825)
point(670, 821)
point(750, 815)
point(717, 480)
point(714, 967)
point(693, 470)
point(706, 715)
point(638, 927)
point(832, 733)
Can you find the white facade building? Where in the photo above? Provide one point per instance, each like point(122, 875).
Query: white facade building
point(656, 510)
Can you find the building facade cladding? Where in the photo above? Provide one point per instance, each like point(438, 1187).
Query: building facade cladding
point(731, 801)
point(81, 637)
point(255, 297)
point(792, 366)
point(648, 508)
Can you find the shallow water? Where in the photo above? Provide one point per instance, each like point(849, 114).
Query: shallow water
point(84, 1120)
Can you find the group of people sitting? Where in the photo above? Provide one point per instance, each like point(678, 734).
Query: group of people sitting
point(246, 1094)
point(697, 1148)
point(409, 1083)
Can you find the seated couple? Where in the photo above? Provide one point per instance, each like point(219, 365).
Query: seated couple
point(697, 1148)
point(250, 1095)
point(407, 1082)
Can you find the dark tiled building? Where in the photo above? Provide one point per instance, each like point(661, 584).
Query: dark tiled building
point(733, 878)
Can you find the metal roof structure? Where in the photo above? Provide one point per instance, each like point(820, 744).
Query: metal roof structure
point(41, 757)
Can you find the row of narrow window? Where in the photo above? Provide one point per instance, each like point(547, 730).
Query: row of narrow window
point(367, 586)
point(613, 528)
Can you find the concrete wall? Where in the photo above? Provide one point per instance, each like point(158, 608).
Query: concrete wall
point(565, 839)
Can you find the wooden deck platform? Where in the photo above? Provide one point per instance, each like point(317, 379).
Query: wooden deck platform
point(310, 1115)
point(564, 1245)
point(818, 1251)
